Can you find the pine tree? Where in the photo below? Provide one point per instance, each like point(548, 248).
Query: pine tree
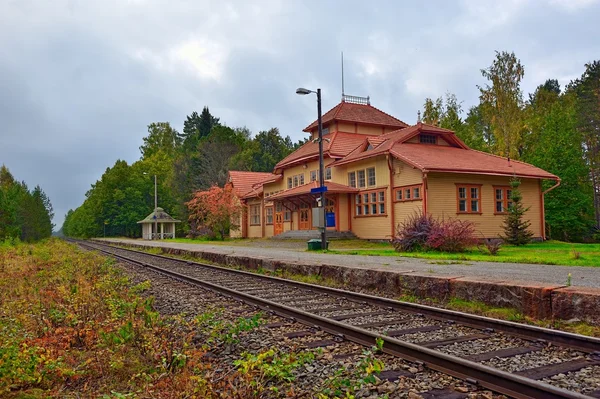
point(516, 228)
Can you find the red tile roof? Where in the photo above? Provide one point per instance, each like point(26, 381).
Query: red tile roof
point(243, 181)
point(339, 145)
point(358, 113)
point(305, 189)
point(388, 140)
point(456, 157)
point(437, 158)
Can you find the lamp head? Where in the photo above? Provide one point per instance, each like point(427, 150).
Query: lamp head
point(303, 91)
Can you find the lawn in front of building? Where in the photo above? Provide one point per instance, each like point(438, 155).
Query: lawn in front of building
point(549, 252)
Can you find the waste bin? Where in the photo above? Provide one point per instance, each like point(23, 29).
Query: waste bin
point(314, 244)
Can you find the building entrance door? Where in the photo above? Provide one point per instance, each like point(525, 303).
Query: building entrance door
point(278, 224)
point(304, 217)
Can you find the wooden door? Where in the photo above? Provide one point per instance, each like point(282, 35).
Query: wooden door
point(304, 217)
point(278, 224)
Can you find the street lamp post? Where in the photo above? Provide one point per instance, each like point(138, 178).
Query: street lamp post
point(303, 91)
point(155, 207)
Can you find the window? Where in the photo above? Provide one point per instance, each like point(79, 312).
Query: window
point(352, 179)
point(468, 198)
point(287, 215)
point(269, 215)
point(296, 180)
point(427, 139)
point(502, 197)
point(408, 193)
point(370, 203)
point(361, 178)
point(313, 175)
point(357, 200)
point(371, 177)
point(255, 215)
point(325, 131)
point(328, 173)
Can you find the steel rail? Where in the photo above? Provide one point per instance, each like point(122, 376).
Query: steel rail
point(535, 333)
point(490, 378)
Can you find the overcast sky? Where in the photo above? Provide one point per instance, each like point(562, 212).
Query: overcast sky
point(80, 80)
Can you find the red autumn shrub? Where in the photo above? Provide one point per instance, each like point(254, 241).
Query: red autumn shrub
point(452, 235)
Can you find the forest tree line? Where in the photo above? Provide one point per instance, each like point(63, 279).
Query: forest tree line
point(24, 214)
point(184, 162)
point(553, 128)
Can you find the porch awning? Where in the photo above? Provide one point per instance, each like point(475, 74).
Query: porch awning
point(332, 188)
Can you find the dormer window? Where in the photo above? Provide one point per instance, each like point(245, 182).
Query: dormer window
point(369, 147)
point(427, 139)
point(325, 131)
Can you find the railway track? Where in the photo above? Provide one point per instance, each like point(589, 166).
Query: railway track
point(517, 360)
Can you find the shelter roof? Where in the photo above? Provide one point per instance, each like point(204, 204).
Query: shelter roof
point(159, 216)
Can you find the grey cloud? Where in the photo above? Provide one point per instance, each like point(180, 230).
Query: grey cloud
point(81, 80)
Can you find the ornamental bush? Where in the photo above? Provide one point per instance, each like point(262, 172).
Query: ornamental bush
point(424, 232)
point(452, 235)
point(413, 233)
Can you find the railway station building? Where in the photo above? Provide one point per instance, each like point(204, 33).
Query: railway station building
point(379, 171)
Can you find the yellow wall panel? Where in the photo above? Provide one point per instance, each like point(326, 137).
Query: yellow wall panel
point(405, 175)
point(442, 201)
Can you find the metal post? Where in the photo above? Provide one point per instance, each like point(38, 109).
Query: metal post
point(321, 173)
point(155, 207)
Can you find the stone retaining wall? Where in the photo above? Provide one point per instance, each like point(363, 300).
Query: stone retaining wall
point(532, 299)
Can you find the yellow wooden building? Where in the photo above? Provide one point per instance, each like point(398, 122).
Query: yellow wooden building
point(379, 170)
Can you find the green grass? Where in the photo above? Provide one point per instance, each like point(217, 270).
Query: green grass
point(549, 252)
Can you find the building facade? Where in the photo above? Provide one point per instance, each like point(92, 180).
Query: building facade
point(379, 171)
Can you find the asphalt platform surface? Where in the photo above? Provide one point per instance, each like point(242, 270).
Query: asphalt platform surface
point(296, 252)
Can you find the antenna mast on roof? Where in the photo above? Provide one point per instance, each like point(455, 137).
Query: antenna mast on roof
point(342, 76)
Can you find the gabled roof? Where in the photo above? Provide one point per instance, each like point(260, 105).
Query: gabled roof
point(159, 216)
point(243, 181)
point(382, 144)
point(437, 158)
point(305, 189)
point(339, 145)
point(358, 113)
point(456, 157)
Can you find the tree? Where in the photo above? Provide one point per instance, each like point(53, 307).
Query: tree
point(569, 208)
point(196, 127)
point(23, 214)
point(217, 209)
point(433, 111)
point(502, 104)
point(161, 138)
point(451, 117)
point(263, 152)
point(516, 229)
point(587, 90)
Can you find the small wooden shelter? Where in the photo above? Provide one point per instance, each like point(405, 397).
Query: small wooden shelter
point(165, 225)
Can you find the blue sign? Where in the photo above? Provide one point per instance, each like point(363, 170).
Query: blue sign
point(318, 190)
point(330, 218)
